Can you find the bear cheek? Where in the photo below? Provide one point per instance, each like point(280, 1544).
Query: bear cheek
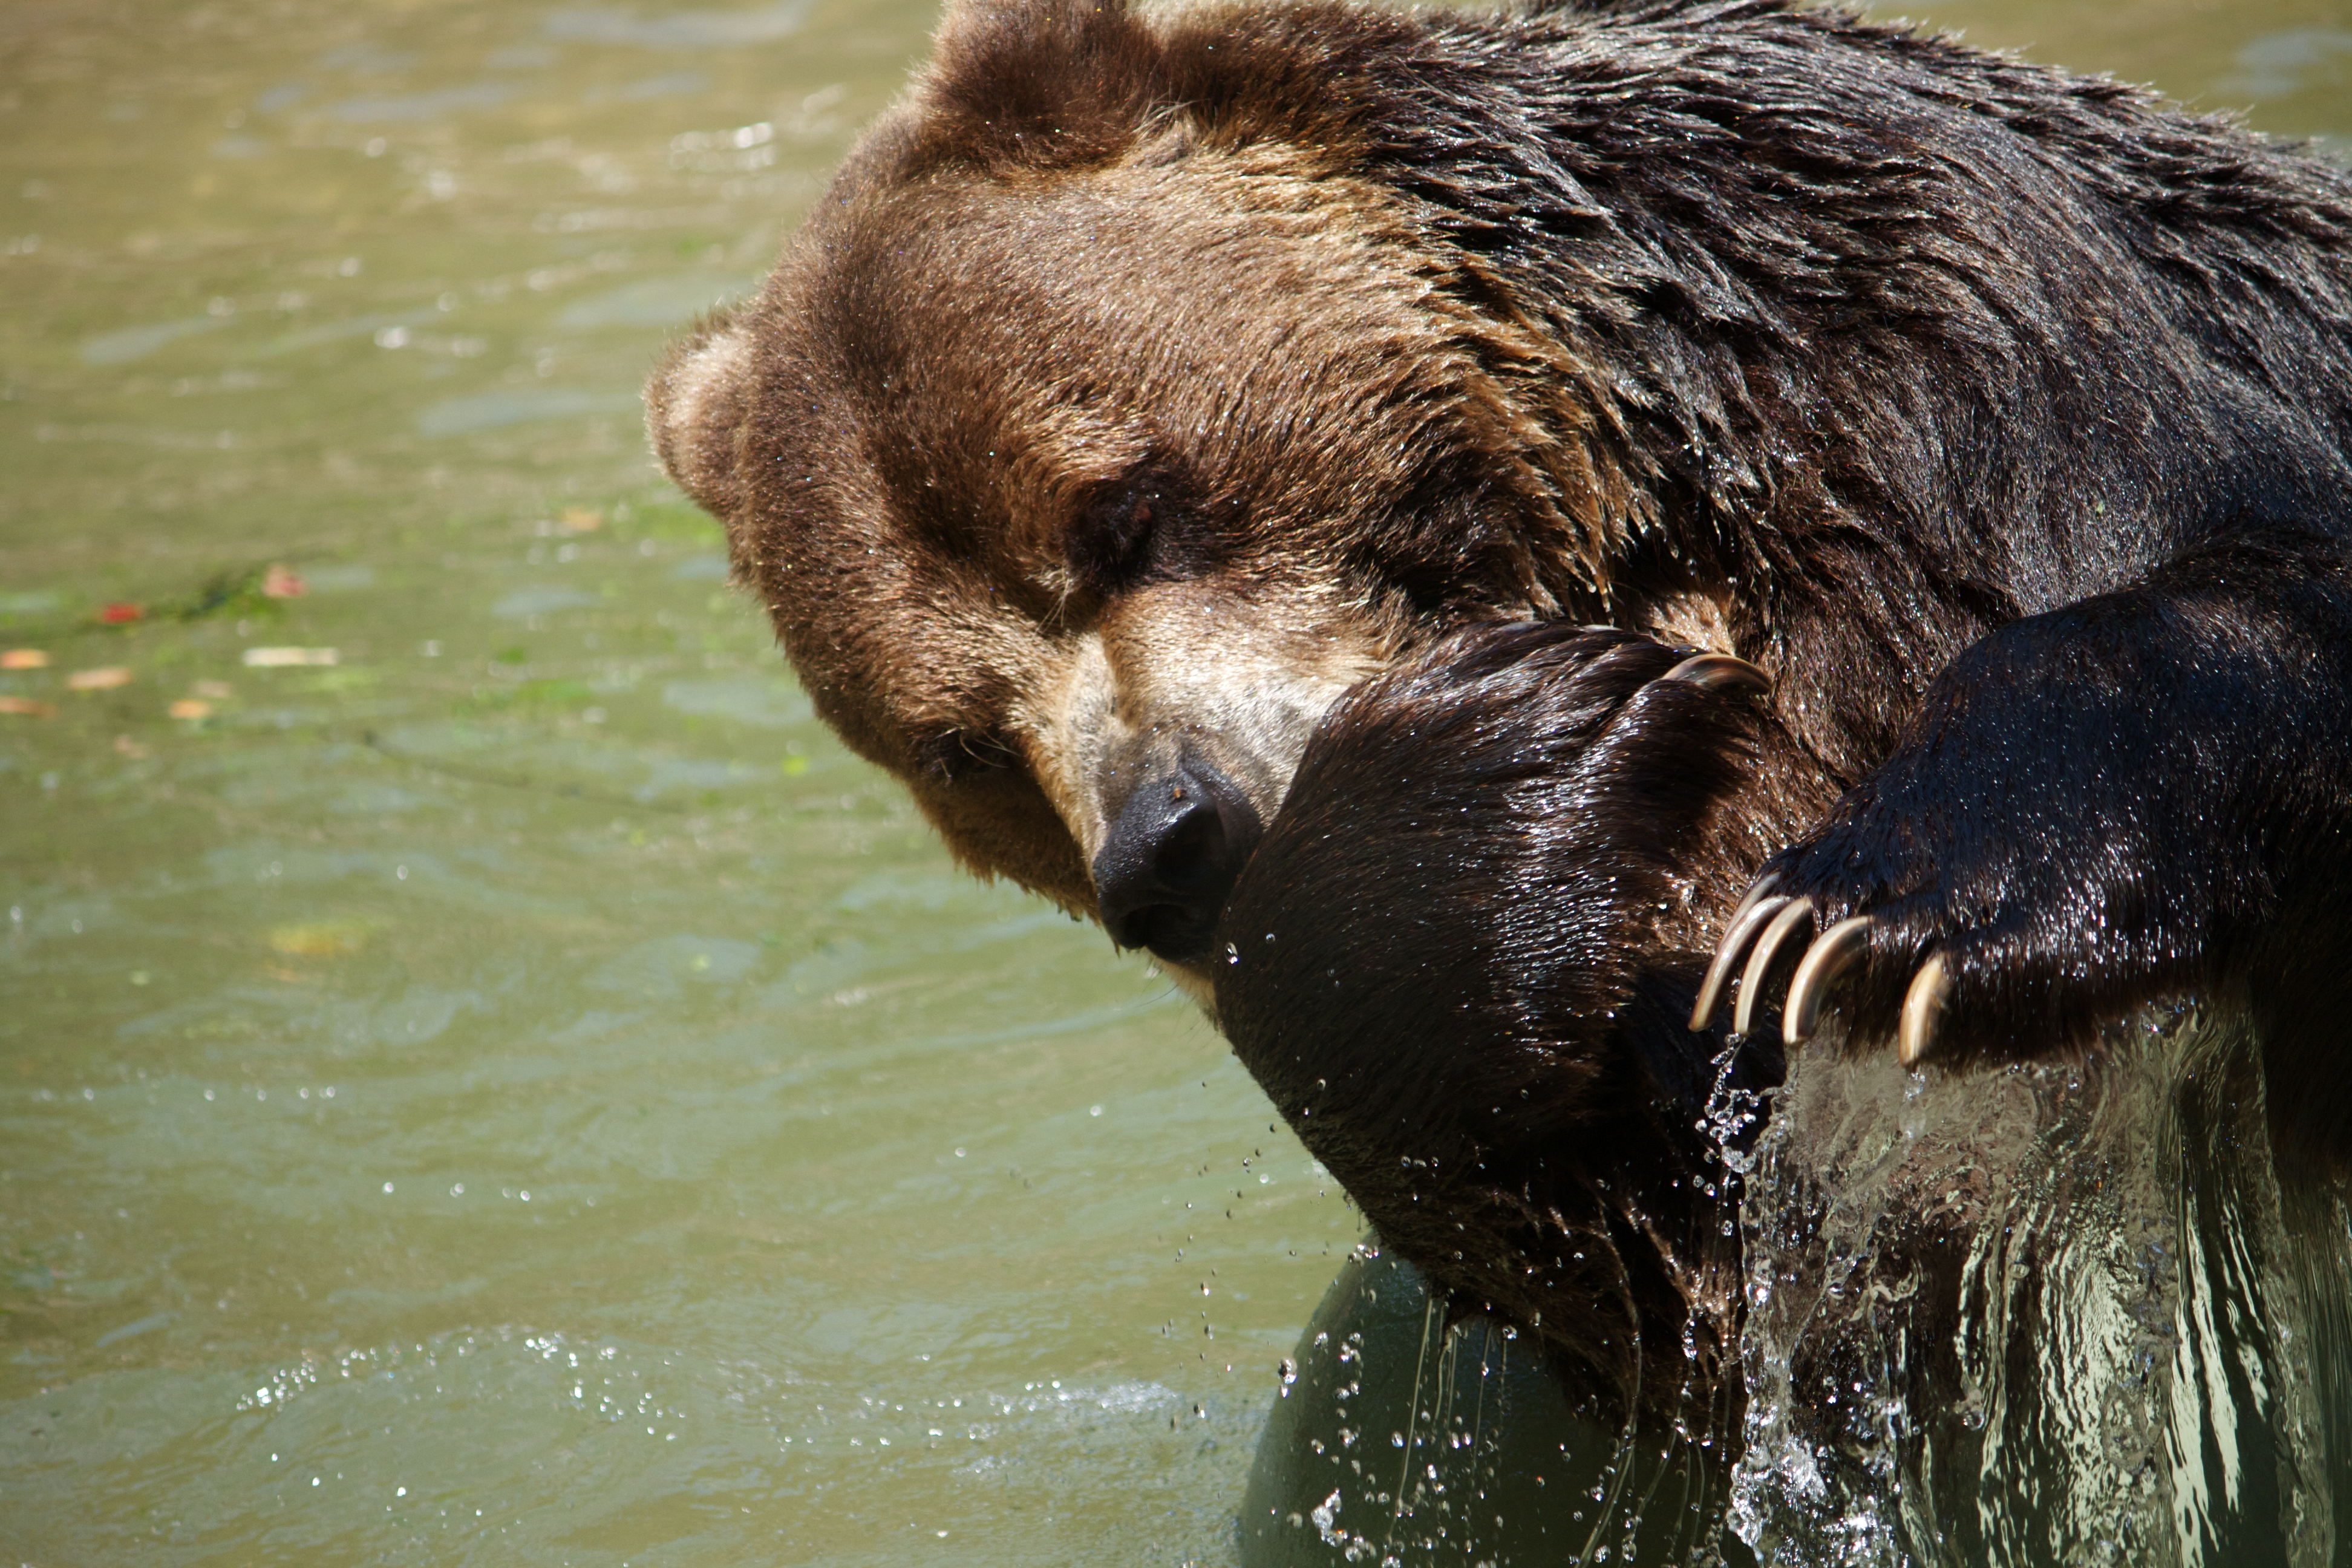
point(1000, 824)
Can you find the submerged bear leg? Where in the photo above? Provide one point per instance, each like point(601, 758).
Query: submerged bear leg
point(2147, 792)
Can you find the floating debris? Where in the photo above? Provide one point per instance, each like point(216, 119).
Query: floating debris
point(244, 592)
point(191, 708)
point(27, 707)
point(24, 658)
point(106, 677)
point(213, 690)
point(281, 582)
point(119, 615)
point(320, 939)
point(287, 657)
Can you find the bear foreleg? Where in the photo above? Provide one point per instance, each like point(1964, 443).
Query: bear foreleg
point(2144, 794)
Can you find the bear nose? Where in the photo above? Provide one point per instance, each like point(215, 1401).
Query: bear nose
point(1162, 875)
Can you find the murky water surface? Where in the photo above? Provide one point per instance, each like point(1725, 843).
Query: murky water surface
point(483, 1076)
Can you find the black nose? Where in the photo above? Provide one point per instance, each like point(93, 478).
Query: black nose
point(1172, 857)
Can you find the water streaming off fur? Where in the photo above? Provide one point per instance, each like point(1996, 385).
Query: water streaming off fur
point(2055, 1314)
point(520, 1093)
point(1402, 1442)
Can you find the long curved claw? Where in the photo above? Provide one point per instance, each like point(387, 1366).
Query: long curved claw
point(1720, 672)
point(1766, 886)
point(1760, 905)
point(1834, 953)
point(1923, 1010)
point(1760, 962)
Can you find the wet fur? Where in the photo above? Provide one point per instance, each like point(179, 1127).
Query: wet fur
point(1462, 961)
point(1142, 384)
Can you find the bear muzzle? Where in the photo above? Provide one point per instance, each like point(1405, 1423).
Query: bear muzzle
point(1175, 847)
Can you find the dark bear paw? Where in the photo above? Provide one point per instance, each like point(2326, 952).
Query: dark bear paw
point(2131, 799)
point(1954, 937)
point(1962, 935)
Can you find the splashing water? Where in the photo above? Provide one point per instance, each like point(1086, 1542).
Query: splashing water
point(1403, 1441)
point(2078, 1313)
point(2065, 1313)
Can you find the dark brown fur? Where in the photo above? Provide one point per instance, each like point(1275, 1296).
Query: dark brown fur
point(1142, 384)
point(1462, 962)
point(1040, 289)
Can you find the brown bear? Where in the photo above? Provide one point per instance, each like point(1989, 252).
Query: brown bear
point(1145, 382)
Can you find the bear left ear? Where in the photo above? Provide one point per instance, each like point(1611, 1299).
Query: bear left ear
point(1039, 80)
point(694, 412)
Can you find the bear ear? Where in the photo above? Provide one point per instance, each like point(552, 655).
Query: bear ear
point(694, 412)
point(1041, 82)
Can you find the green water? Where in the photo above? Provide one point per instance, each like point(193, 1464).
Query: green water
point(519, 1092)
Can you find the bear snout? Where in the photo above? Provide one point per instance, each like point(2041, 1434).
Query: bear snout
point(1175, 848)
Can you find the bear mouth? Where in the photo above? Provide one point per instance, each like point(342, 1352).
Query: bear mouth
point(1172, 935)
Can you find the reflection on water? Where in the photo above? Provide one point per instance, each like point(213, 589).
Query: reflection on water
point(1395, 1438)
point(519, 1092)
point(2052, 1315)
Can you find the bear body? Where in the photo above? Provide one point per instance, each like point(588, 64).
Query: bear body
point(1143, 384)
point(1970, 1317)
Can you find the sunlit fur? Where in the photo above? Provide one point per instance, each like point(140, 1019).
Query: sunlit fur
point(1139, 384)
point(1143, 381)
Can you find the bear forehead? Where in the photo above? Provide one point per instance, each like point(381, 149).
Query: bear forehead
point(950, 372)
point(1018, 330)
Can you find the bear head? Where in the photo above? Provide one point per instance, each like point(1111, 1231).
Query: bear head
point(1105, 422)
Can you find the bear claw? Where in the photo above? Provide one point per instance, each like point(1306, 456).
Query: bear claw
point(1923, 1010)
point(1793, 913)
point(1760, 906)
point(1836, 951)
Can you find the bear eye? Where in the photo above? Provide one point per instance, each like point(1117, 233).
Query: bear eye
point(1110, 547)
point(953, 755)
